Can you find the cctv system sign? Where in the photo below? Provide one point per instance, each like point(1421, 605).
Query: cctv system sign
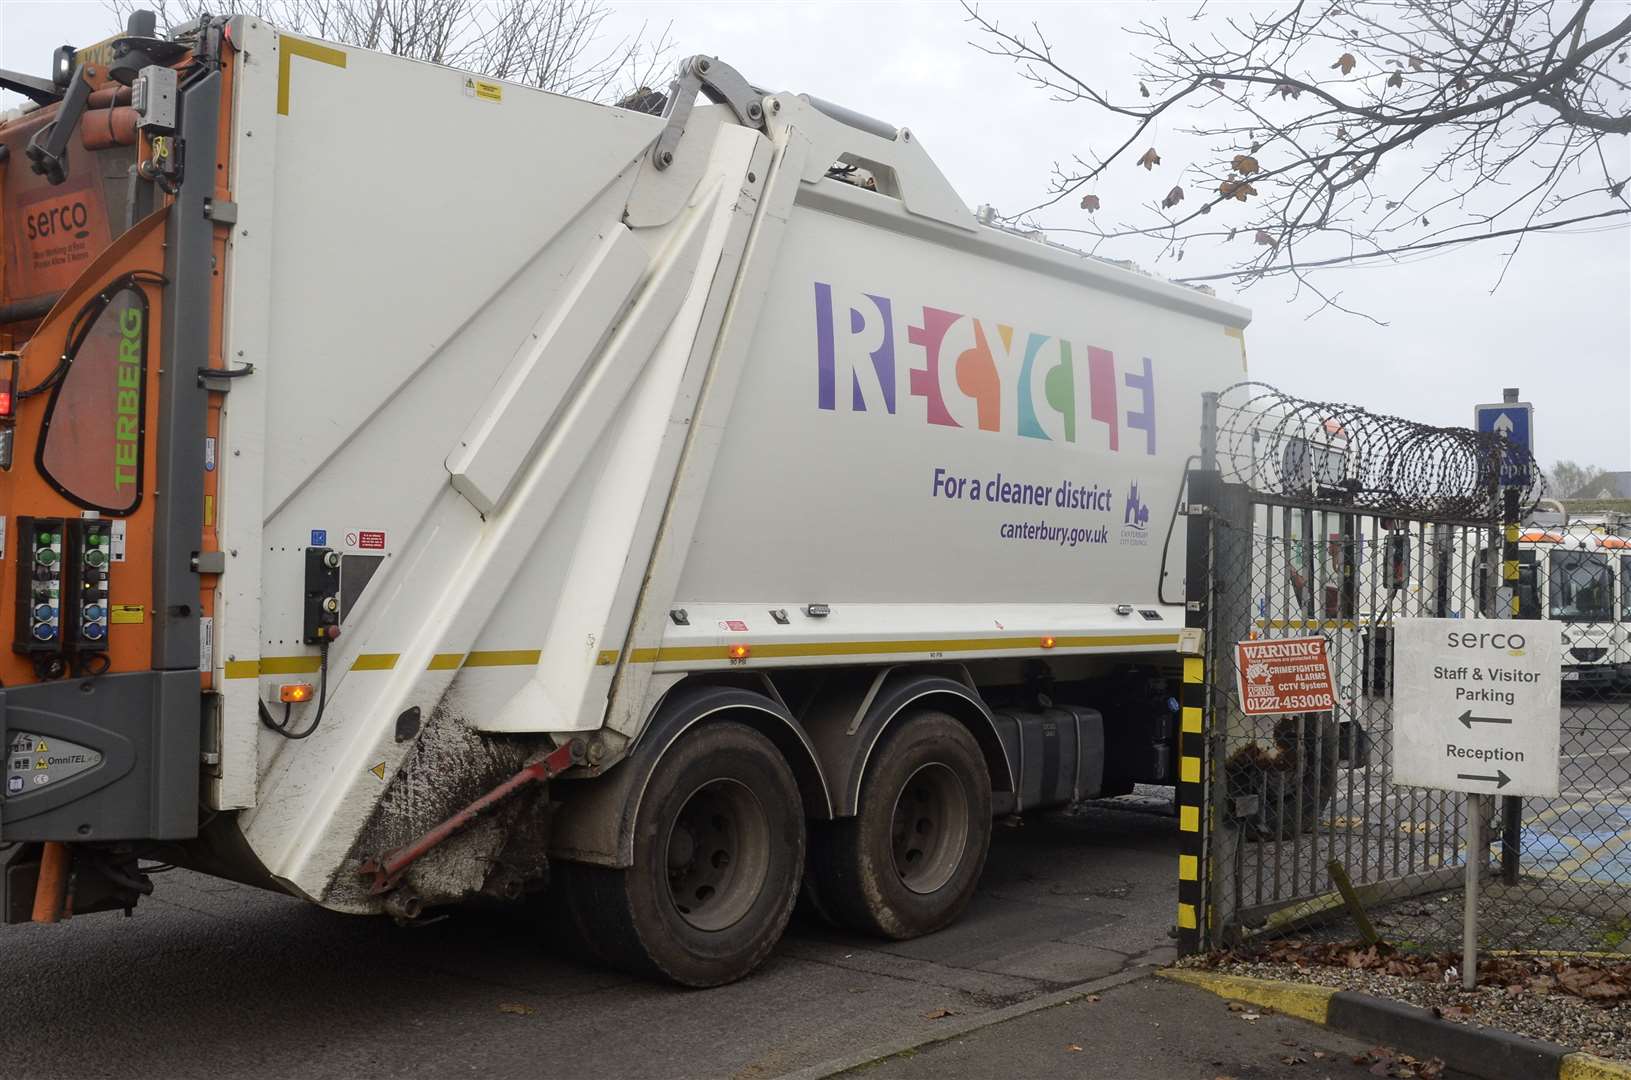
point(1284, 675)
point(1477, 705)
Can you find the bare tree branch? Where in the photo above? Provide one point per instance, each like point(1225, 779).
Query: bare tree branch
point(1388, 127)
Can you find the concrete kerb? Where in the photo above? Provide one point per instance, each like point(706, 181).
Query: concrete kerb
point(1486, 1053)
point(959, 1028)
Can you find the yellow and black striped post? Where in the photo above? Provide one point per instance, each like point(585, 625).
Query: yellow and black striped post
point(1192, 905)
point(1194, 869)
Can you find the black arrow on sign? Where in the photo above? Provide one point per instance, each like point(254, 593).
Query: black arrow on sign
point(1468, 719)
point(1500, 779)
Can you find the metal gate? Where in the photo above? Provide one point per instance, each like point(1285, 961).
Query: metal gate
point(1315, 519)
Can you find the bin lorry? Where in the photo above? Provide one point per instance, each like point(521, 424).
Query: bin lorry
point(419, 487)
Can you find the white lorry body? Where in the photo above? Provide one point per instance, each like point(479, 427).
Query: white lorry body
point(582, 427)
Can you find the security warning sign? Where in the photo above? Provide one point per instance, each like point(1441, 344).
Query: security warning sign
point(1284, 675)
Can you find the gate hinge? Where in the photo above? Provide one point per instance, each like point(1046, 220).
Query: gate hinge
point(222, 211)
point(722, 84)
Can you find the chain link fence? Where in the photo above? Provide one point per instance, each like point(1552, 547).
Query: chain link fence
point(1320, 520)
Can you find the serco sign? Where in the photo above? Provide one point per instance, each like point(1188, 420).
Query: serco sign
point(1477, 705)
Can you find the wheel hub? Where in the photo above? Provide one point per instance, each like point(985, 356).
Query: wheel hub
point(929, 829)
point(718, 855)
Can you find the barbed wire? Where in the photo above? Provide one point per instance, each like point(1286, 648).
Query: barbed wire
point(1293, 448)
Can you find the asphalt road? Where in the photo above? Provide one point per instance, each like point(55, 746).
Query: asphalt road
point(214, 980)
point(1146, 1030)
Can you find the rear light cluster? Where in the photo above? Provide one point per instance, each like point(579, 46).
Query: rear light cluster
point(8, 407)
point(62, 591)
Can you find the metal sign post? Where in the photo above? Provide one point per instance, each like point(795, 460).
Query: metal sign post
point(1474, 834)
point(1477, 708)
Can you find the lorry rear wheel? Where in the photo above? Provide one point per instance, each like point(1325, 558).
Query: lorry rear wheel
point(908, 862)
point(718, 850)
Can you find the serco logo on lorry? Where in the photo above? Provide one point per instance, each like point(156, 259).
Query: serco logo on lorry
point(995, 379)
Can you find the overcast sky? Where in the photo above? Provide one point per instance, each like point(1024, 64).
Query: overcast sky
point(1559, 327)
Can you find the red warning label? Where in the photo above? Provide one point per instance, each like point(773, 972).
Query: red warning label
point(1284, 675)
point(371, 541)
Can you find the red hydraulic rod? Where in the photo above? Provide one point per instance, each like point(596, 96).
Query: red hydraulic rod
point(388, 869)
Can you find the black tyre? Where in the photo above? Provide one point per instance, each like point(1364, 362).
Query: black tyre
point(908, 862)
point(718, 851)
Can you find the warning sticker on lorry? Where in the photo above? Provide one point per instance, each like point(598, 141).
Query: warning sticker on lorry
point(1284, 675)
point(363, 540)
point(481, 88)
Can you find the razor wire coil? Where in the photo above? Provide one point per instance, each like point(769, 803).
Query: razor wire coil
point(1293, 448)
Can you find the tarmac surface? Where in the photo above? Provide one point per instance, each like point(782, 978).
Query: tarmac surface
point(1146, 1030)
point(211, 979)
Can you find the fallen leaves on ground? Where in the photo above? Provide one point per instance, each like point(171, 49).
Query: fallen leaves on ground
point(1073, 1048)
point(1387, 1062)
point(938, 1014)
point(515, 1008)
point(1589, 978)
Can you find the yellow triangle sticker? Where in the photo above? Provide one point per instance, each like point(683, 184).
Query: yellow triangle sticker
point(41, 748)
point(379, 770)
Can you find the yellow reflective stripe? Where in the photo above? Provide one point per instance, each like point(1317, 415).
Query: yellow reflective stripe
point(1189, 868)
point(1512, 534)
point(1189, 819)
point(1186, 916)
point(1192, 720)
point(290, 665)
point(1189, 770)
point(1194, 669)
point(301, 665)
point(305, 665)
point(291, 47)
point(1509, 569)
point(776, 650)
point(503, 658)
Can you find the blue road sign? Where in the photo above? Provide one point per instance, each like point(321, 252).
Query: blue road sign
point(1516, 421)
